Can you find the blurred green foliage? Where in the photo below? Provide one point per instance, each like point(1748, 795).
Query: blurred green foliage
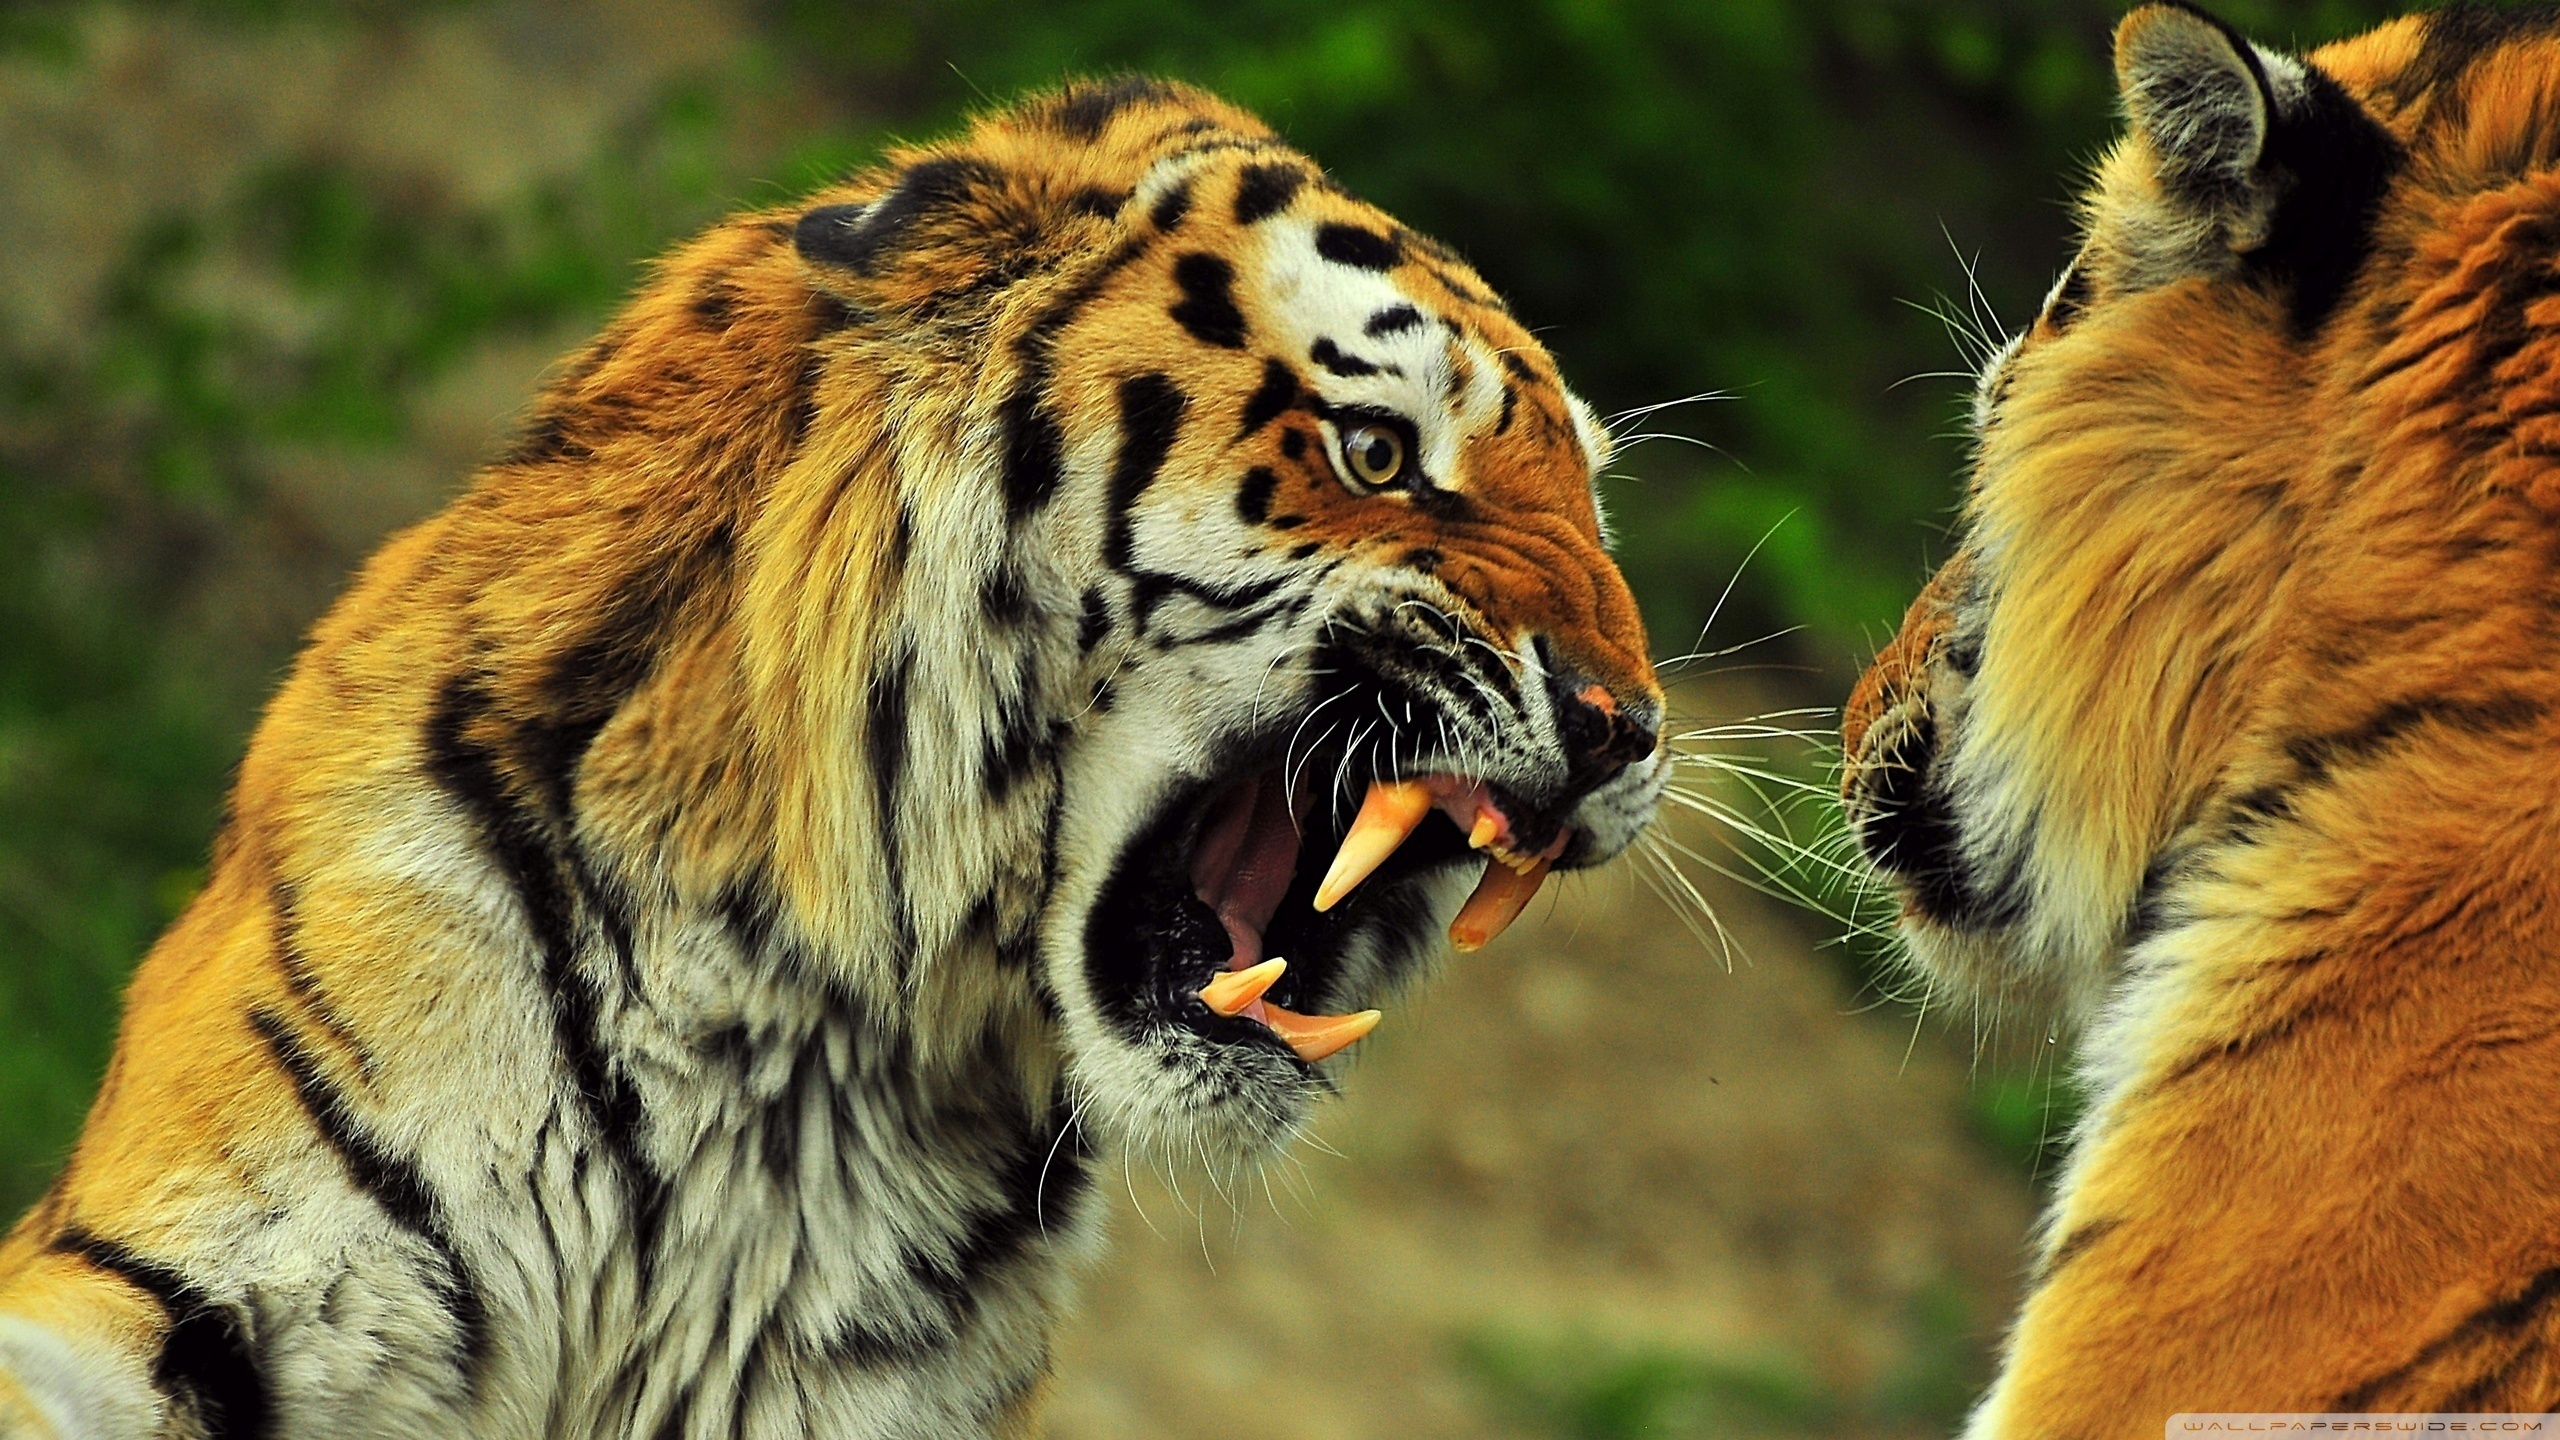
point(2025, 1113)
point(306, 312)
point(1573, 1385)
point(1775, 201)
point(1576, 1388)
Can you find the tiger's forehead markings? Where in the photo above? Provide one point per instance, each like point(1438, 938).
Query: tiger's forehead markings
point(1208, 305)
point(1264, 190)
point(1344, 306)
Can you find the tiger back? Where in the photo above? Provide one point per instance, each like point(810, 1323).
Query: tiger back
point(990, 669)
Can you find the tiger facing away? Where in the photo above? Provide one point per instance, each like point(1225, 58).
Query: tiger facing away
point(2233, 729)
point(994, 665)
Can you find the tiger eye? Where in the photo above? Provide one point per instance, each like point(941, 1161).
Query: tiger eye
point(1374, 454)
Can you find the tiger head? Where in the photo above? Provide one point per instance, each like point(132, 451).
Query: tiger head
point(1244, 596)
point(2234, 524)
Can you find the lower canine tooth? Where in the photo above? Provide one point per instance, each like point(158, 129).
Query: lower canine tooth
point(1231, 992)
point(1498, 900)
point(1315, 1037)
point(1386, 818)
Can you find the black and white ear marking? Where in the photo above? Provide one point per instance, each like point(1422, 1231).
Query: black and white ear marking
point(2265, 165)
point(2200, 95)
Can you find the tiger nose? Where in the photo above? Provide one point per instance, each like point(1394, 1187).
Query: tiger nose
point(1601, 737)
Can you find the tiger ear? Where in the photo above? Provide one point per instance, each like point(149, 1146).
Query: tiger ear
point(2197, 96)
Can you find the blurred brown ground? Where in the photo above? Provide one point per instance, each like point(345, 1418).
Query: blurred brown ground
point(1593, 1130)
point(1592, 1137)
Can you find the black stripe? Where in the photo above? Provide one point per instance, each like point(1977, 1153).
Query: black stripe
point(1354, 246)
point(827, 315)
point(1042, 1186)
point(716, 304)
point(2457, 38)
point(1014, 745)
point(1150, 589)
point(886, 723)
point(1048, 1177)
point(1172, 206)
point(1329, 355)
point(749, 910)
point(679, 1416)
point(1095, 622)
point(206, 1360)
point(1208, 305)
point(1473, 295)
point(2500, 1321)
point(596, 356)
point(1394, 320)
point(2319, 755)
point(1253, 499)
point(1265, 189)
point(804, 395)
point(305, 985)
point(2510, 294)
point(2277, 1030)
point(1271, 399)
point(545, 439)
point(517, 842)
point(1086, 108)
point(1510, 408)
point(1034, 445)
point(1151, 411)
point(2070, 298)
point(1254, 621)
point(1099, 201)
point(2071, 1247)
point(859, 237)
point(1434, 249)
point(390, 1181)
point(1003, 598)
point(589, 682)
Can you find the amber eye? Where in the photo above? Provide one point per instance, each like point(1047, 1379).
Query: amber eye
point(1374, 454)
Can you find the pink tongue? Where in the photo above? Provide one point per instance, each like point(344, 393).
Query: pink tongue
point(1247, 857)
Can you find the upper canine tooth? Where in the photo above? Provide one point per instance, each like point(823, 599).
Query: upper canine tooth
point(1386, 818)
point(1498, 900)
point(1486, 828)
point(1232, 991)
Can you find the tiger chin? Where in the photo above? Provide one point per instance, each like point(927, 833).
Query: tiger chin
point(2232, 733)
point(1005, 663)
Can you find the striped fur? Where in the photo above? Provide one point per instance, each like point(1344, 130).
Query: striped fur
point(2233, 730)
point(671, 966)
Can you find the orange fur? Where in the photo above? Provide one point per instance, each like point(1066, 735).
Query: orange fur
point(661, 634)
point(2265, 635)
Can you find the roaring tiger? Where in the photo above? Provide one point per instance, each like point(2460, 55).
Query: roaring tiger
point(992, 665)
point(2233, 729)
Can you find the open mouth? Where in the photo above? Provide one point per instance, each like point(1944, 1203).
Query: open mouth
point(1235, 914)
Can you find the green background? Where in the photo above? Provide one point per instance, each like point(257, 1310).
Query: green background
point(1802, 206)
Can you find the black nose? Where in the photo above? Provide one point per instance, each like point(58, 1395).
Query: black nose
point(1601, 737)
